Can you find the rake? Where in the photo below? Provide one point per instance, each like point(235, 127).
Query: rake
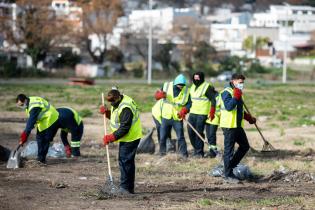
point(267, 147)
point(109, 186)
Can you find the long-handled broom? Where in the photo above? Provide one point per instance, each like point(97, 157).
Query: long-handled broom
point(109, 186)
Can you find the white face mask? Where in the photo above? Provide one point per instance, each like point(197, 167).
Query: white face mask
point(240, 86)
point(23, 107)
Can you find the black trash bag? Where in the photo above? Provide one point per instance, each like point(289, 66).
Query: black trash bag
point(241, 171)
point(4, 153)
point(146, 144)
point(170, 145)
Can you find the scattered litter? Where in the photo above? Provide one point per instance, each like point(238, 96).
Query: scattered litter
point(83, 178)
point(241, 171)
point(55, 151)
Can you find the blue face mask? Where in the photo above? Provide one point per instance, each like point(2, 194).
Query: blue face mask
point(240, 86)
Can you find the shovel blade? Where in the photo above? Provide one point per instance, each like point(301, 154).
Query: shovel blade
point(14, 160)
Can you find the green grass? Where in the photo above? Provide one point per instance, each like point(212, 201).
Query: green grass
point(246, 203)
point(289, 103)
point(299, 143)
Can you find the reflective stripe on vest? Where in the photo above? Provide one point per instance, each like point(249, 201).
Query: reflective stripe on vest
point(171, 106)
point(200, 103)
point(228, 119)
point(46, 117)
point(216, 120)
point(135, 131)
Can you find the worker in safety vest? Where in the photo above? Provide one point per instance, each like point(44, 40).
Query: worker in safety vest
point(203, 105)
point(42, 115)
point(175, 105)
point(232, 117)
point(211, 129)
point(157, 118)
point(70, 121)
point(126, 129)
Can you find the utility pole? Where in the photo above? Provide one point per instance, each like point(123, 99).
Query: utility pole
point(150, 46)
point(284, 66)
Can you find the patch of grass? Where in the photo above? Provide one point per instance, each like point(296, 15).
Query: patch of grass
point(299, 143)
point(204, 202)
point(277, 201)
point(85, 113)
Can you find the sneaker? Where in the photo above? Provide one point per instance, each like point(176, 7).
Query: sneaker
point(232, 179)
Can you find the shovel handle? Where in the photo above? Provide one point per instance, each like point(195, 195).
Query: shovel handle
point(105, 132)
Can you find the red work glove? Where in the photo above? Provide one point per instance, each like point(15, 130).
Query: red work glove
point(237, 94)
point(108, 138)
point(249, 118)
point(212, 113)
point(104, 110)
point(182, 113)
point(23, 138)
point(68, 151)
point(159, 94)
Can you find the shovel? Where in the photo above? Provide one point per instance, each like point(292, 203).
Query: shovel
point(109, 186)
point(15, 158)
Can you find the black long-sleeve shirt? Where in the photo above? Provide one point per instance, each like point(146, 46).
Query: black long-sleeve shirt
point(211, 93)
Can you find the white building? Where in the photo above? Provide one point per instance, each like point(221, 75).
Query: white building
point(162, 20)
point(228, 31)
point(294, 24)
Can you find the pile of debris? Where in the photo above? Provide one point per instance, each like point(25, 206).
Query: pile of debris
point(291, 176)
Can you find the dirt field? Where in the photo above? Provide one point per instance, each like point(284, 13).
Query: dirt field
point(161, 183)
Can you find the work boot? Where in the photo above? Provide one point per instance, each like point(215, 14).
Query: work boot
point(232, 179)
point(75, 151)
point(123, 192)
point(212, 153)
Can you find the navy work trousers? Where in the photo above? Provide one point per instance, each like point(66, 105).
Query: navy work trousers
point(165, 132)
point(231, 159)
point(198, 122)
point(126, 158)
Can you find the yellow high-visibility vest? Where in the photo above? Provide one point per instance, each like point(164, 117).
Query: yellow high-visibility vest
point(228, 119)
point(170, 105)
point(200, 103)
point(135, 131)
point(157, 110)
point(46, 117)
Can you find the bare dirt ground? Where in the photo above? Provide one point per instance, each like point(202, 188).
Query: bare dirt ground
point(161, 183)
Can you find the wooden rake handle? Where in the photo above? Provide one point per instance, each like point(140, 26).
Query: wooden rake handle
point(259, 131)
point(105, 132)
point(194, 129)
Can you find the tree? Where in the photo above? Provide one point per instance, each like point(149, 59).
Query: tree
point(232, 63)
point(191, 32)
point(164, 55)
point(248, 43)
point(99, 18)
point(36, 29)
